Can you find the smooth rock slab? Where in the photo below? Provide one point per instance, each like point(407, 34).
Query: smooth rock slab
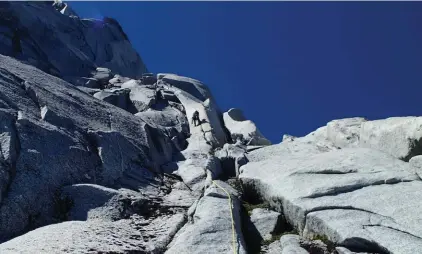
point(134, 235)
point(398, 136)
point(345, 132)
point(242, 129)
point(416, 165)
point(78, 237)
point(344, 195)
point(64, 136)
point(232, 157)
point(265, 221)
point(211, 229)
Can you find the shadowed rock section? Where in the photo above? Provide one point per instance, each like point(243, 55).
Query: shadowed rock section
point(98, 156)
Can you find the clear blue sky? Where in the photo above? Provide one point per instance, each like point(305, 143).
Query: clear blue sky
point(290, 66)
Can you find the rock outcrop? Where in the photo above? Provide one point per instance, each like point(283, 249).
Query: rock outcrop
point(99, 156)
point(242, 129)
point(47, 36)
point(339, 190)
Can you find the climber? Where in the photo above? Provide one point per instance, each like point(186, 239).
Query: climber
point(195, 118)
point(16, 42)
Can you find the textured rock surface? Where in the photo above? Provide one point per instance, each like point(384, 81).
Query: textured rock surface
point(290, 244)
point(112, 163)
point(86, 43)
point(210, 229)
point(265, 221)
point(344, 195)
point(345, 132)
point(273, 248)
point(398, 136)
point(51, 119)
point(232, 157)
point(96, 236)
point(242, 129)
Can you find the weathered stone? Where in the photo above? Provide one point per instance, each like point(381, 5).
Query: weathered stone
point(345, 132)
point(117, 97)
point(343, 195)
point(293, 249)
point(211, 228)
point(142, 97)
point(289, 239)
point(416, 165)
point(191, 86)
point(398, 136)
point(273, 248)
point(242, 129)
point(53, 153)
point(78, 45)
point(265, 221)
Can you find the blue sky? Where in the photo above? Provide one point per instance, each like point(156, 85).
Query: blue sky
point(290, 66)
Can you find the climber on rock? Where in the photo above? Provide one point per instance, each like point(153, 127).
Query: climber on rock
point(195, 118)
point(16, 42)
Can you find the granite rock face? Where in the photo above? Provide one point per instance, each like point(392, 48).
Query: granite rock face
point(99, 156)
point(48, 35)
point(242, 129)
point(345, 195)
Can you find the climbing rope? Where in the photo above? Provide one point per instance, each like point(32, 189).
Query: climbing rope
point(231, 214)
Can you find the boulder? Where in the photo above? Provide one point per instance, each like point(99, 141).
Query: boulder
point(345, 133)
point(290, 244)
point(64, 9)
point(118, 80)
point(141, 97)
point(170, 120)
point(273, 248)
point(266, 222)
point(344, 195)
point(102, 75)
point(191, 86)
point(293, 249)
point(398, 136)
point(117, 97)
point(211, 228)
point(242, 129)
point(288, 138)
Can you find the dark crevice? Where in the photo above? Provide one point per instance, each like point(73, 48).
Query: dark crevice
point(12, 167)
point(252, 195)
point(351, 188)
point(327, 172)
point(395, 229)
point(325, 208)
point(358, 244)
point(415, 148)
